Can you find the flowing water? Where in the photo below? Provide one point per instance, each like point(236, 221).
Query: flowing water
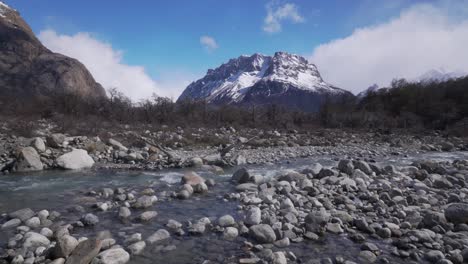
point(58, 190)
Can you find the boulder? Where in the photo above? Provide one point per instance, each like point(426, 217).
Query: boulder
point(457, 213)
point(65, 246)
point(191, 178)
point(77, 159)
point(38, 144)
point(85, 252)
point(137, 248)
point(262, 233)
point(159, 235)
point(22, 214)
point(27, 160)
point(55, 140)
point(112, 256)
point(253, 216)
point(241, 176)
point(226, 221)
point(34, 240)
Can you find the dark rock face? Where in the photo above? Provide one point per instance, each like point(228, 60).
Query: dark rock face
point(27, 68)
point(283, 79)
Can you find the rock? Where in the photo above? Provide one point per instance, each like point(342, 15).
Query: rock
point(183, 194)
point(137, 248)
point(23, 214)
point(241, 176)
point(384, 232)
point(246, 187)
point(34, 240)
point(47, 232)
point(117, 145)
point(159, 235)
point(146, 216)
point(55, 140)
point(346, 166)
point(316, 219)
point(28, 160)
point(90, 219)
point(363, 166)
point(434, 256)
point(226, 220)
point(33, 222)
point(230, 233)
point(145, 201)
point(200, 188)
point(173, 224)
point(112, 256)
point(77, 159)
point(279, 258)
point(314, 169)
point(124, 212)
point(64, 246)
point(214, 159)
point(457, 213)
point(334, 228)
point(253, 216)
point(11, 224)
point(367, 256)
point(262, 233)
point(191, 178)
point(38, 144)
point(58, 261)
point(325, 173)
point(196, 162)
point(85, 252)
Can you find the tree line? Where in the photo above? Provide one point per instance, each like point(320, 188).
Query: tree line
point(406, 105)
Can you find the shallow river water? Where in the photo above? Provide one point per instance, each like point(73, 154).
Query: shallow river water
point(58, 190)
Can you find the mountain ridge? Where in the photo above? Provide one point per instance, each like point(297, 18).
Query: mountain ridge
point(29, 69)
point(259, 79)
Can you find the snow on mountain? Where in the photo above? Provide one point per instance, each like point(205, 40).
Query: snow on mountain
point(3, 9)
point(238, 80)
point(439, 75)
point(373, 88)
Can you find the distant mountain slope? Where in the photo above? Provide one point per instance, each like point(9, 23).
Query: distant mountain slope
point(284, 79)
point(27, 68)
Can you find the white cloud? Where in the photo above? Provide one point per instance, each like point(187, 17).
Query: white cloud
point(276, 14)
point(209, 43)
point(422, 38)
point(107, 67)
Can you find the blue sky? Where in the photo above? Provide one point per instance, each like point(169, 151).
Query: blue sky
point(164, 36)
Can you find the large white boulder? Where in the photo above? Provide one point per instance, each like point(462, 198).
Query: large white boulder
point(75, 160)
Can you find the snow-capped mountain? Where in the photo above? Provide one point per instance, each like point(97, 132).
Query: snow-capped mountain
point(439, 75)
point(373, 88)
point(284, 79)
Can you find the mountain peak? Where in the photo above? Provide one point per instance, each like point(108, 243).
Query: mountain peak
point(233, 82)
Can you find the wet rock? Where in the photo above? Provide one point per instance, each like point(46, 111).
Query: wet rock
point(367, 256)
point(112, 256)
point(124, 212)
point(137, 248)
point(253, 216)
point(457, 213)
point(77, 159)
point(246, 187)
point(145, 201)
point(11, 223)
point(159, 235)
point(85, 252)
point(191, 178)
point(90, 219)
point(33, 222)
point(363, 166)
point(64, 246)
point(226, 220)
point(196, 162)
point(241, 176)
point(262, 233)
point(230, 233)
point(200, 188)
point(34, 240)
point(334, 228)
point(279, 258)
point(146, 216)
point(28, 160)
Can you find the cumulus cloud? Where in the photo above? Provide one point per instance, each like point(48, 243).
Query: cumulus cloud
point(209, 43)
point(104, 63)
point(276, 14)
point(421, 38)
